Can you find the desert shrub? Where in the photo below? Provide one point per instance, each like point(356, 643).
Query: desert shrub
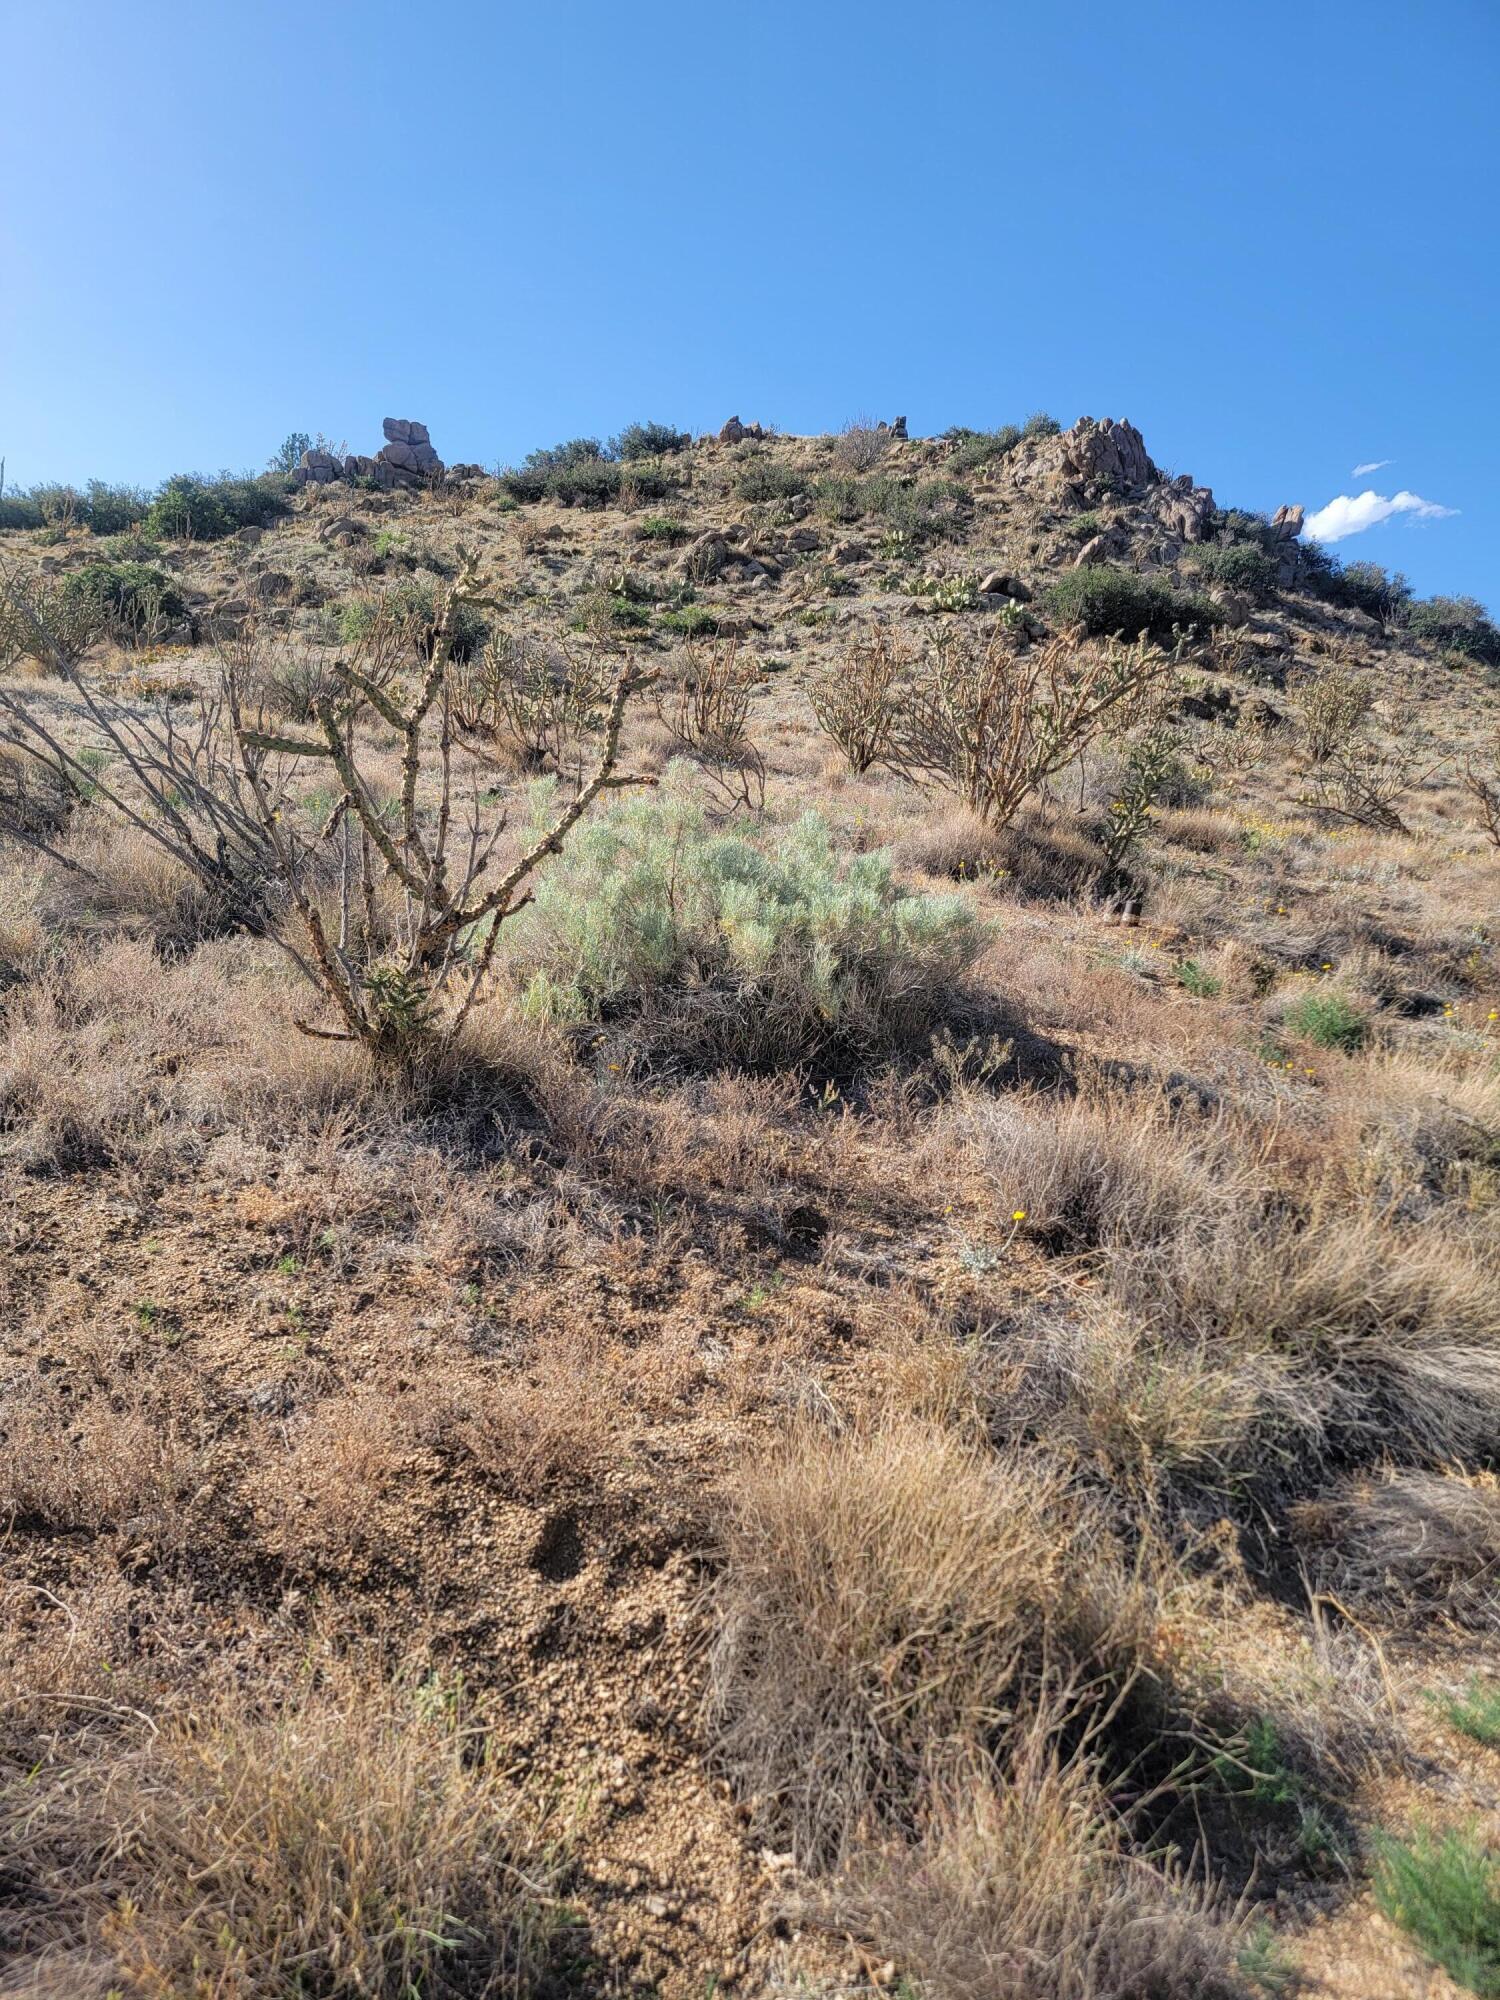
point(1355, 586)
point(1237, 566)
point(1365, 784)
point(861, 445)
point(662, 528)
point(1443, 1889)
point(1481, 780)
point(1104, 599)
point(1152, 763)
point(113, 510)
point(930, 511)
point(544, 696)
point(132, 593)
point(414, 606)
point(588, 483)
point(992, 721)
point(1023, 1887)
point(763, 955)
point(856, 698)
point(47, 621)
point(351, 1841)
point(647, 441)
point(975, 448)
point(20, 510)
point(691, 621)
point(707, 716)
point(1332, 705)
point(288, 454)
point(1040, 425)
point(763, 479)
point(190, 508)
point(1460, 623)
point(563, 457)
point(888, 1597)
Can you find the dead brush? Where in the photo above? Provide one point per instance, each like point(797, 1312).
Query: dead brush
point(339, 1836)
point(114, 1454)
point(993, 723)
point(1409, 1543)
point(540, 694)
point(706, 717)
point(1365, 785)
point(1332, 706)
point(856, 699)
point(1482, 782)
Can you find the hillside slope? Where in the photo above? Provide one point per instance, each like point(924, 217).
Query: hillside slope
point(912, 1396)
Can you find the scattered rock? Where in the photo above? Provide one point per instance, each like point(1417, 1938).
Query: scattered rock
point(1000, 583)
point(1186, 510)
point(1096, 549)
point(844, 553)
point(249, 538)
point(703, 559)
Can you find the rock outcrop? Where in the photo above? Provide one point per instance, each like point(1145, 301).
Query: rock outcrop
point(1286, 526)
point(734, 432)
point(406, 459)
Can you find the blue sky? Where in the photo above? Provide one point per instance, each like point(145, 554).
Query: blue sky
point(1266, 235)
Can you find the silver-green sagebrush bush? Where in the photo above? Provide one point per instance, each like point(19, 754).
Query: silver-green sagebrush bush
point(767, 953)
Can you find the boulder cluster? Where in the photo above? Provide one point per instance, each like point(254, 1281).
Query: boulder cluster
point(406, 459)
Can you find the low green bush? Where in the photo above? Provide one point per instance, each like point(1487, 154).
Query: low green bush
point(647, 441)
point(690, 621)
point(1237, 566)
point(661, 528)
point(1329, 1020)
point(131, 592)
point(1460, 623)
point(189, 508)
point(762, 480)
point(1105, 599)
point(413, 602)
point(592, 482)
point(765, 955)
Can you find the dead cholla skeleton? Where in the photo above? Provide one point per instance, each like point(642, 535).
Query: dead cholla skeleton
point(857, 699)
point(708, 716)
point(993, 724)
point(1482, 783)
point(394, 984)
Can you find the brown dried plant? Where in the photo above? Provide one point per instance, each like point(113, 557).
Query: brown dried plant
point(994, 723)
point(856, 699)
point(707, 719)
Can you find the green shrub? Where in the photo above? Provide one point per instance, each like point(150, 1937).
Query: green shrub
point(661, 528)
point(288, 454)
point(19, 510)
point(1460, 623)
point(1237, 566)
point(1040, 425)
point(1356, 586)
point(1105, 599)
point(592, 482)
point(1329, 1020)
point(189, 508)
point(414, 602)
point(131, 592)
point(690, 621)
point(647, 441)
point(767, 956)
point(563, 457)
point(1444, 1890)
point(763, 480)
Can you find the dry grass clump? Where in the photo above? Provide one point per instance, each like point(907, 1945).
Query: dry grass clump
point(1033, 855)
point(351, 1840)
point(1414, 1544)
point(94, 1461)
point(110, 1054)
point(890, 1593)
point(1023, 1887)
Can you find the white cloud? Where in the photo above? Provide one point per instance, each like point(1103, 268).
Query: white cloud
point(1374, 465)
point(1351, 514)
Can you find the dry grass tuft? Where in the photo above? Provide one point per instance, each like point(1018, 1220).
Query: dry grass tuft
point(886, 1594)
point(1023, 1888)
point(95, 1462)
point(354, 1841)
point(1413, 1544)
